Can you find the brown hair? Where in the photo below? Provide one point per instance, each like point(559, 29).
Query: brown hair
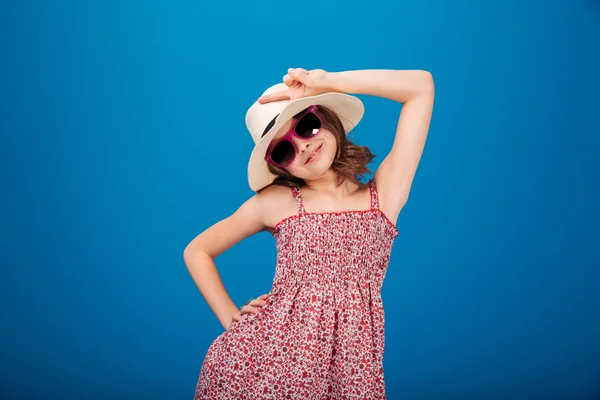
point(350, 161)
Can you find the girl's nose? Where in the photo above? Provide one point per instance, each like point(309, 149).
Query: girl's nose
point(301, 144)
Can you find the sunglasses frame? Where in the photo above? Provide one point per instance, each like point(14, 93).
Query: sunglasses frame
point(292, 132)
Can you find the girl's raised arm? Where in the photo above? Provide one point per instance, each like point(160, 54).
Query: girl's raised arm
point(415, 90)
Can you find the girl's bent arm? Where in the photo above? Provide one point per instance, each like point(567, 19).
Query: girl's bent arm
point(200, 253)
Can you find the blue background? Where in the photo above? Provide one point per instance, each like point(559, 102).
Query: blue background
point(115, 118)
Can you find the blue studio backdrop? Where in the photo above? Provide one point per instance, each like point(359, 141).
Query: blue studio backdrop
point(123, 137)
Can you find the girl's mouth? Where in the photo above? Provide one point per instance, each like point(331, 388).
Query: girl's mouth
point(315, 154)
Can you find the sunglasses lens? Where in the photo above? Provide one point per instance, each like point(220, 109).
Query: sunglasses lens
point(283, 153)
point(308, 126)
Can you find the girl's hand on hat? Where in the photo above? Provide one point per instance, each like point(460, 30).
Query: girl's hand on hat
point(301, 83)
point(253, 306)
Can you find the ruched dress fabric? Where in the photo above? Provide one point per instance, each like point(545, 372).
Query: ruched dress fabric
point(320, 334)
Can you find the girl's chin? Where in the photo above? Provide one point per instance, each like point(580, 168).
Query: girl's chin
point(316, 169)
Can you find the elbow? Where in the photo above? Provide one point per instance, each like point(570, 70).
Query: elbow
point(192, 253)
point(427, 85)
point(186, 255)
point(189, 253)
point(426, 76)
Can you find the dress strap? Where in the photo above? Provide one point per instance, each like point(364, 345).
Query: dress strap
point(374, 197)
point(296, 193)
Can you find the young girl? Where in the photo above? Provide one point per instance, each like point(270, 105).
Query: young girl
point(319, 333)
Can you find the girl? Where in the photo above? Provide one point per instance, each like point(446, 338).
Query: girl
point(319, 333)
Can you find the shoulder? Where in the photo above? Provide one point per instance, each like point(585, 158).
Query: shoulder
point(276, 202)
point(274, 194)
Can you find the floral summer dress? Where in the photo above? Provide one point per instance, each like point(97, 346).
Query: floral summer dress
point(320, 334)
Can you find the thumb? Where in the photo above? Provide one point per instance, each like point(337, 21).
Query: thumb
point(281, 95)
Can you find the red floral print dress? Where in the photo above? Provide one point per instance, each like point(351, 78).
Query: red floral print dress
point(320, 334)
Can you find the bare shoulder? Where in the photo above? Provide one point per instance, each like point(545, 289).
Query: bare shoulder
point(261, 212)
point(244, 222)
point(277, 203)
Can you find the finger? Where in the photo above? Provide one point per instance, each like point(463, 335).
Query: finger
point(237, 317)
point(298, 74)
point(261, 301)
point(283, 95)
point(294, 70)
point(287, 79)
point(264, 296)
point(257, 307)
point(291, 83)
point(257, 303)
point(248, 308)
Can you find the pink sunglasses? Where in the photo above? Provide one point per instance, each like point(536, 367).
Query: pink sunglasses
point(307, 126)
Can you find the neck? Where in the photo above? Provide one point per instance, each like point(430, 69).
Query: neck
point(327, 183)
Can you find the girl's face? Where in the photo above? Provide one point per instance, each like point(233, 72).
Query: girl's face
point(314, 156)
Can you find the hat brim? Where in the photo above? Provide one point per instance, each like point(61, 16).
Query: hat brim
point(349, 108)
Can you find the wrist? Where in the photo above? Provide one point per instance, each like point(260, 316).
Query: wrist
point(332, 82)
point(340, 82)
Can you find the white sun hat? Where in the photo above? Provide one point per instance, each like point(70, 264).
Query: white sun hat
point(261, 122)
